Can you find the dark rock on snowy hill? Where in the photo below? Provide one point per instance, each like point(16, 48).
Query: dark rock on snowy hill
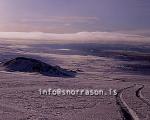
point(30, 65)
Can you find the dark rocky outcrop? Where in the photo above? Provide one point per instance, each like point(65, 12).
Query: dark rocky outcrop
point(30, 65)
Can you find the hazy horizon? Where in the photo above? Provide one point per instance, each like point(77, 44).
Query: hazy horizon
point(80, 20)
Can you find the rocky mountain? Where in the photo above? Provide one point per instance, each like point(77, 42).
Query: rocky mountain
point(23, 64)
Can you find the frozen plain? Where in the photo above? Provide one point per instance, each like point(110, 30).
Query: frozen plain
point(20, 98)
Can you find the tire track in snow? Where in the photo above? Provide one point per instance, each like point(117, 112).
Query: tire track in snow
point(141, 97)
point(126, 112)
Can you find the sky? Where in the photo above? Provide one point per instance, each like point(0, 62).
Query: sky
point(76, 16)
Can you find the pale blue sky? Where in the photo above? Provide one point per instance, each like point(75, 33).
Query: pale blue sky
point(69, 16)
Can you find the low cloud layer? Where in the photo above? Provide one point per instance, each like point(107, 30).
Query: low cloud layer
point(62, 19)
point(72, 37)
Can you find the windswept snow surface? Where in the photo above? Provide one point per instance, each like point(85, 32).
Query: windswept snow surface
point(20, 98)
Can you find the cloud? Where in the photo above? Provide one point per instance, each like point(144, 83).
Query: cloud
point(61, 19)
point(72, 37)
point(144, 32)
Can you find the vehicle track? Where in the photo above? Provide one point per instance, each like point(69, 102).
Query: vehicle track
point(141, 97)
point(126, 112)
